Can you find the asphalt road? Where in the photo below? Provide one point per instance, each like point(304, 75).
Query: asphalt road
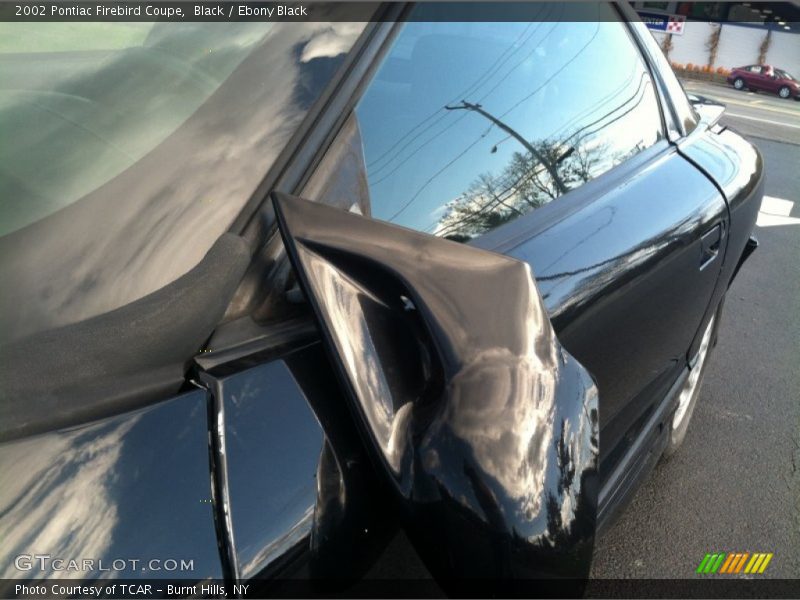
point(757, 114)
point(735, 484)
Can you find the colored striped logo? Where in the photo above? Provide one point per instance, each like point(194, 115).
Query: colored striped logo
point(734, 562)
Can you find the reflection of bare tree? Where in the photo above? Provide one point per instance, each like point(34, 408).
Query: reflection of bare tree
point(546, 169)
point(523, 185)
point(566, 464)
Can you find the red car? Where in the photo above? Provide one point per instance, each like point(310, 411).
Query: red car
point(767, 78)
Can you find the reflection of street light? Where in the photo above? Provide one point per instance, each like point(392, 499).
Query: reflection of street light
point(565, 155)
point(562, 189)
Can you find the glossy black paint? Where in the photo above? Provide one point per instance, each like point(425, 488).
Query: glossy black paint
point(484, 427)
point(270, 447)
point(736, 167)
point(603, 253)
point(658, 192)
point(620, 273)
point(303, 499)
point(647, 443)
point(134, 486)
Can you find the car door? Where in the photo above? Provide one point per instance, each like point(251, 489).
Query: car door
point(772, 82)
point(494, 135)
point(624, 240)
point(756, 78)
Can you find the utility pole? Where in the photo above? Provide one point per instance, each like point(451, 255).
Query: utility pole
point(562, 189)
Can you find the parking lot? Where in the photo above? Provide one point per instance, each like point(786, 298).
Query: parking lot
point(735, 484)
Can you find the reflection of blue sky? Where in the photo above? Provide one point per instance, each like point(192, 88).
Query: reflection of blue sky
point(273, 442)
point(110, 490)
point(545, 80)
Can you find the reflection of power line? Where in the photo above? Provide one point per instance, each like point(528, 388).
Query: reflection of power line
point(595, 106)
point(511, 189)
point(398, 153)
point(526, 144)
point(472, 217)
point(454, 123)
point(586, 112)
point(411, 154)
point(592, 109)
point(520, 63)
point(530, 95)
point(609, 113)
point(618, 117)
point(483, 78)
point(555, 73)
point(435, 175)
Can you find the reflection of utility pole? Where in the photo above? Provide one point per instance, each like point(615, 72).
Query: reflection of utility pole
point(562, 189)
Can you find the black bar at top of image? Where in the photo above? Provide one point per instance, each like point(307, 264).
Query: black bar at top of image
point(337, 11)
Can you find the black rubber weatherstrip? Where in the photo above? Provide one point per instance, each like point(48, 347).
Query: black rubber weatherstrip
point(120, 360)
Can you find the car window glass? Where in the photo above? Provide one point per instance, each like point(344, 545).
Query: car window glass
point(467, 126)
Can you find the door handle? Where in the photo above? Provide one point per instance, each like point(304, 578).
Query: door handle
point(710, 244)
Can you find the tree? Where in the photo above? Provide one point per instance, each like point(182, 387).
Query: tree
point(712, 45)
point(666, 45)
point(764, 47)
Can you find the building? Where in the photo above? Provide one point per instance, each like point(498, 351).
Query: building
point(739, 33)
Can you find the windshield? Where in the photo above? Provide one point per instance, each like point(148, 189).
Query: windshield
point(89, 104)
point(130, 147)
point(784, 75)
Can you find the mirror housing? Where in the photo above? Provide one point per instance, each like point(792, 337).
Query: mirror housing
point(481, 426)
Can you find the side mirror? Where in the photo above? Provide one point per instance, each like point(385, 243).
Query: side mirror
point(480, 424)
point(710, 111)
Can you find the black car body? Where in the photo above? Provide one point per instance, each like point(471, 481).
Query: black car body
point(268, 388)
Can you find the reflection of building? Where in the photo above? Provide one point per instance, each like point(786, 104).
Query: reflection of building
point(745, 25)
